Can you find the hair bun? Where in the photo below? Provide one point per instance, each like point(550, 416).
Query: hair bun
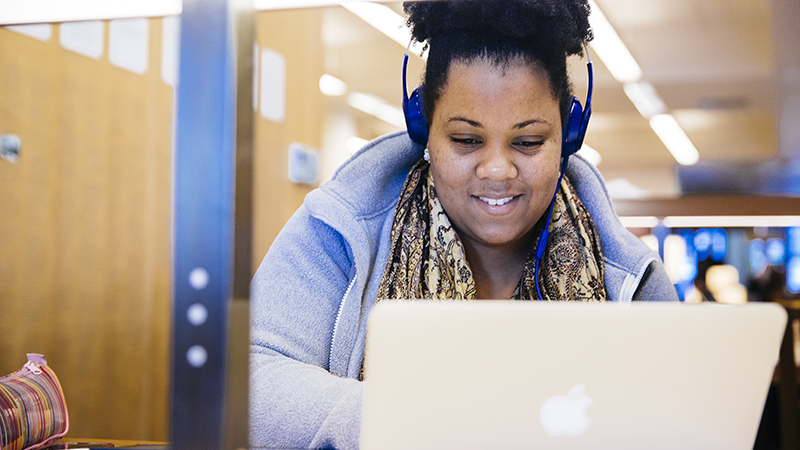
point(564, 24)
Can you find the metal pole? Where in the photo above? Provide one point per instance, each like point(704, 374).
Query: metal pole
point(203, 224)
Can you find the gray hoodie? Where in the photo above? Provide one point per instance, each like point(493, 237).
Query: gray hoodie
point(312, 294)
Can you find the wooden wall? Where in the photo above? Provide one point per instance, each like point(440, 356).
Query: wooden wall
point(85, 231)
point(85, 215)
point(296, 34)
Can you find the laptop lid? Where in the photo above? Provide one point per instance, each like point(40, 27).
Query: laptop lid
point(504, 374)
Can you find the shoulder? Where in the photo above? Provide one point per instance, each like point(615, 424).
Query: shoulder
point(619, 245)
point(591, 188)
point(346, 216)
point(629, 262)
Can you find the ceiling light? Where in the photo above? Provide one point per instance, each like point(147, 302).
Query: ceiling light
point(671, 134)
point(645, 98)
point(261, 5)
point(377, 107)
point(332, 86)
point(611, 50)
point(639, 221)
point(41, 11)
point(591, 155)
point(385, 20)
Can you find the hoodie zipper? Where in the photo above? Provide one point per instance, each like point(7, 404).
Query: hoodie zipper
point(338, 316)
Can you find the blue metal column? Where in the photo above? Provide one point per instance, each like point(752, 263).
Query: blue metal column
point(203, 225)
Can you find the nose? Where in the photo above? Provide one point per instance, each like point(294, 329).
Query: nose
point(496, 164)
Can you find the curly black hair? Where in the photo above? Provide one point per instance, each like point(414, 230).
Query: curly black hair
point(541, 32)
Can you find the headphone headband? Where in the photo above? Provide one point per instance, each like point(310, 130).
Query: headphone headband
point(414, 110)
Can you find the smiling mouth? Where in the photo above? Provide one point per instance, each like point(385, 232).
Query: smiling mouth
point(496, 201)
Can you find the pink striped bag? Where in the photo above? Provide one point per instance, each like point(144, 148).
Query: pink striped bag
point(33, 411)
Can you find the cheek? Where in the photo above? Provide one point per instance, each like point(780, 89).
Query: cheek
point(446, 177)
point(447, 169)
point(553, 170)
point(544, 167)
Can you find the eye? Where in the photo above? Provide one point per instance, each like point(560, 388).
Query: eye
point(468, 141)
point(528, 144)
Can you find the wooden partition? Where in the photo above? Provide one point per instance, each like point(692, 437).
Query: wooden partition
point(709, 205)
point(85, 230)
point(296, 35)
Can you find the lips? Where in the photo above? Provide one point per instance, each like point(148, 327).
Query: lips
point(496, 201)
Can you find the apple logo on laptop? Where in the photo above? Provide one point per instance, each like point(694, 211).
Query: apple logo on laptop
point(565, 415)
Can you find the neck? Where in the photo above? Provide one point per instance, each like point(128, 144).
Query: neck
point(496, 270)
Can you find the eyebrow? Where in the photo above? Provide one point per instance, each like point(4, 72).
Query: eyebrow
point(522, 125)
point(518, 126)
point(464, 119)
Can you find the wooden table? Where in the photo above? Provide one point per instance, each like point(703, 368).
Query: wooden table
point(77, 443)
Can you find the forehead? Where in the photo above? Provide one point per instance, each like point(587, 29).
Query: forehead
point(486, 84)
point(512, 66)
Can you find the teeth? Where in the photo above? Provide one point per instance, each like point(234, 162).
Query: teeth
point(496, 202)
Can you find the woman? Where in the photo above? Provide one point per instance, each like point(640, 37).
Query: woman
point(459, 219)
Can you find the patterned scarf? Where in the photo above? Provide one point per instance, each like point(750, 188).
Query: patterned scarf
point(428, 261)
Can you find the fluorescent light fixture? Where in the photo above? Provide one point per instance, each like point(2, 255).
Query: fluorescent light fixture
point(262, 5)
point(645, 98)
point(377, 107)
point(591, 155)
point(672, 135)
point(639, 221)
point(354, 144)
point(730, 221)
point(332, 86)
point(611, 50)
point(385, 20)
point(45, 11)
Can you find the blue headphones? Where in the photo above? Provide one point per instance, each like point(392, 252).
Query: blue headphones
point(571, 141)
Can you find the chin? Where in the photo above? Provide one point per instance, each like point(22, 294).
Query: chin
point(502, 239)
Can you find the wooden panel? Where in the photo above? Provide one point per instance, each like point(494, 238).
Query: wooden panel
point(296, 35)
point(84, 231)
point(710, 205)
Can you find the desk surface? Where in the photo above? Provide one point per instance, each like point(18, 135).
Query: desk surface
point(789, 304)
point(77, 442)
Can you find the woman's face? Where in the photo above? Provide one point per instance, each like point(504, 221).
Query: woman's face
point(495, 146)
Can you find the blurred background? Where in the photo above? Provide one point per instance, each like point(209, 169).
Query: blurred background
point(694, 128)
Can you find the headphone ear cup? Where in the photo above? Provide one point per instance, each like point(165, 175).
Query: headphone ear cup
point(415, 117)
point(573, 130)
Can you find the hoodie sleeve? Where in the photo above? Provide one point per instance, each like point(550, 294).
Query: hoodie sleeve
point(295, 295)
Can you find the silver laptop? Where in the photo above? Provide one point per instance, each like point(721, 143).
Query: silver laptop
point(515, 375)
